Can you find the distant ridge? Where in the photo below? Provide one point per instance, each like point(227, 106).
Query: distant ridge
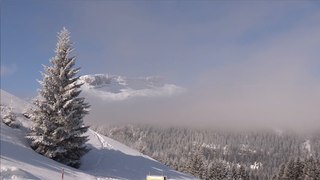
point(117, 88)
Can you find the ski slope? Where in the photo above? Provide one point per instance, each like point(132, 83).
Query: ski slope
point(108, 159)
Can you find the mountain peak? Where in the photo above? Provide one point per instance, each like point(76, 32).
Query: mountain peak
point(112, 87)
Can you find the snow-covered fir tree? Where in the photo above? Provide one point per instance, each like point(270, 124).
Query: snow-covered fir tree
point(9, 117)
point(233, 173)
point(58, 119)
point(281, 171)
point(300, 169)
point(242, 173)
point(197, 164)
point(289, 172)
point(218, 171)
point(312, 168)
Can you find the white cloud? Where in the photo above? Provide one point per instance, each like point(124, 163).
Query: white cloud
point(166, 90)
point(267, 82)
point(274, 87)
point(271, 85)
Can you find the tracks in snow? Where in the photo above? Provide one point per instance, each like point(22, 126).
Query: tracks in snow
point(104, 145)
point(103, 142)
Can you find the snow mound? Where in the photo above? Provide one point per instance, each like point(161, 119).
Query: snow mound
point(16, 103)
point(117, 88)
point(10, 172)
point(107, 160)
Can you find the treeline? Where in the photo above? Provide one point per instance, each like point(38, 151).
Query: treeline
point(296, 168)
point(241, 155)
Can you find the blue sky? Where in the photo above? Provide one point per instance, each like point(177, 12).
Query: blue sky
point(253, 62)
point(181, 41)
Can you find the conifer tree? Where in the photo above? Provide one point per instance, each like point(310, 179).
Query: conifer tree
point(58, 119)
point(218, 170)
point(281, 171)
point(196, 164)
point(311, 169)
point(298, 168)
point(233, 173)
point(9, 118)
point(289, 172)
point(242, 173)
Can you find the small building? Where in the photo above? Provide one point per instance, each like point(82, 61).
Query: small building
point(156, 178)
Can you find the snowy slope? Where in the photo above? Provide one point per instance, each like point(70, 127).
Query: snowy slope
point(17, 159)
point(11, 100)
point(108, 159)
point(117, 88)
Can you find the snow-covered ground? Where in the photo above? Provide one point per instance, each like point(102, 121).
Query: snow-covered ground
point(108, 159)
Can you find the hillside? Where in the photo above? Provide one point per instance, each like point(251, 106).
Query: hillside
point(261, 152)
point(108, 159)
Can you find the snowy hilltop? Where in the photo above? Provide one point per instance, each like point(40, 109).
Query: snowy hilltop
point(117, 88)
point(107, 159)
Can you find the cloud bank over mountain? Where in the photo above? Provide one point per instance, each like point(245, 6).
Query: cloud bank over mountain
point(272, 83)
point(119, 88)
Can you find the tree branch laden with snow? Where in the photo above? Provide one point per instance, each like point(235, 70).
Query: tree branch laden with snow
point(58, 118)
